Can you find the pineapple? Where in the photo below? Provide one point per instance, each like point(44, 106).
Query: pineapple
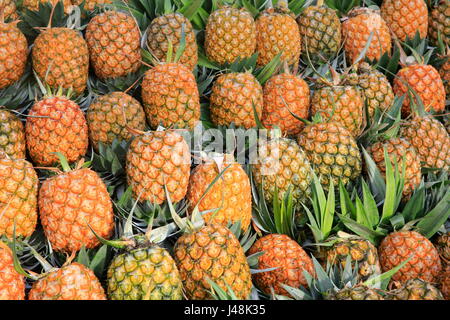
point(230, 197)
point(443, 246)
point(155, 160)
point(12, 284)
point(18, 197)
point(340, 103)
point(278, 32)
point(90, 5)
point(439, 23)
point(34, 4)
point(8, 9)
point(73, 281)
point(416, 289)
point(361, 251)
point(332, 152)
point(12, 135)
point(56, 124)
point(109, 116)
point(445, 283)
point(113, 39)
point(61, 59)
point(14, 52)
point(401, 245)
point(72, 202)
point(357, 29)
point(320, 29)
point(143, 271)
point(232, 100)
point(283, 253)
point(169, 28)
point(282, 94)
point(375, 88)
point(444, 72)
point(170, 96)
point(430, 139)
point(230, 34)
point(212, 252)
point(397, 148)
point(406, 17)
point(358, 292)
point(281, 166)
point(427, 84)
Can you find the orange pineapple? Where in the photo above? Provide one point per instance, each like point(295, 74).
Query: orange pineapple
point(406, 17)
point(285, 93)
point(156, 159)
point(71, 203)
point(230, 194)
point(12, 284)
point(56, 124)
point(232, 99)
point(356, 31)
point(170, 96)
point(18, 197)
point(287, 256)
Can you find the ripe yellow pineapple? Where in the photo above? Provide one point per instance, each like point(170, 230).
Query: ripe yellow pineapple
point(375, 87)
point(14, 48)
point(56, 124)
point(170, 96)
point(285, 93)
point(12, 284)
point(113, 39)
point(282, 165)
point(8, 8)
point(18, 197)
point(340, 103)
point(430, 139)
point(156, 159)
point(143, 271)
point(397, 148)
point(406, 17)
point(283, 253)
point(12, 135)
point(230, 194)
point(278, 32)
point(232, 99)
point(169, 28)
point(358, 292)
point(332, 152)
point(212, 252)
point(401, 245)
point(230, 34)
point(61, 59)
point(361, 251)
point(109, 116)
point(356, 31)
point(73, 281)
point(91, 4)
point(72, 202)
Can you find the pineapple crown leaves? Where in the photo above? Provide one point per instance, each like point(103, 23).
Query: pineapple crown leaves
point(93, 259)
point(218, 293)
point(384, 125)
point(49, 16)
point(280, 217)
point(362, 216)
point(343, 6)
point(144, 11)
point(322, 217)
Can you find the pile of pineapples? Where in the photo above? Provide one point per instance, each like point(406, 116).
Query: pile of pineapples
point(103, 197)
